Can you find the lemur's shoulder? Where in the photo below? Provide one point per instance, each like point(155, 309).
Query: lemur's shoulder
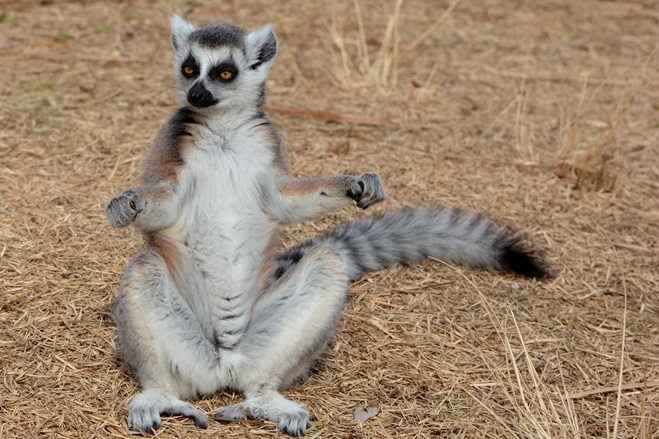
point(269, 133)
point(166, 154)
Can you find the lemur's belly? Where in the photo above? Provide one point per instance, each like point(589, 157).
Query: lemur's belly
point(228, 252)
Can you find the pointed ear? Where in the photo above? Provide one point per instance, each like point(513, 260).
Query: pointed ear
point(261, 47)
point(180, 30)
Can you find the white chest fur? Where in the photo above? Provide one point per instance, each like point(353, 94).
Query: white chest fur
point(225, 227)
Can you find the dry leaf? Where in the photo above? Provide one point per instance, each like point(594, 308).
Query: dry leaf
point(562, 171)
point(364, 414)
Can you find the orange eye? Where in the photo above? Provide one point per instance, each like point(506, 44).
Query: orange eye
point(226, 75)
point(188, 70)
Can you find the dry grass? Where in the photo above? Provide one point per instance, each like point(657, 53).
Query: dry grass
point(347, 63)
point(586, 143)
point(485, 105)
point(355, 64)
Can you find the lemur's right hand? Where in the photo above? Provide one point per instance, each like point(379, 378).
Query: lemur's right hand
point(123, 210)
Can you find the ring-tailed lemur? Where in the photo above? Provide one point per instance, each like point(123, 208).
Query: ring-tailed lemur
point(208, 303)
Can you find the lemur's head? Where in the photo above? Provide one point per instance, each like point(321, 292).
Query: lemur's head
point(220, 65)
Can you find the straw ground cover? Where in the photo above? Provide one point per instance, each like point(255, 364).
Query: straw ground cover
point(544, 114)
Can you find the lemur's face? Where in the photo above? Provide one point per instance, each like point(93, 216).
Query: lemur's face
point(221, 65)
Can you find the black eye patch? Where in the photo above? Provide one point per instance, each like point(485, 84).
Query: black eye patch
point(224, 72)
point(190, 67)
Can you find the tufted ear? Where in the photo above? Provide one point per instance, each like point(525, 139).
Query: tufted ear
point(181, 29)
point(261, 47)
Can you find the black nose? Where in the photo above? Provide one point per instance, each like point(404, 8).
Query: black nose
point(200, 97)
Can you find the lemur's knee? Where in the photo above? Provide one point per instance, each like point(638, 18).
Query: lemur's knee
point(325, 254)
point(145, 264)
point(321, 259)
point(325, 263)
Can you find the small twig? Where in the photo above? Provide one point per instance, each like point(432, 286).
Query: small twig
point(326, 115)
point(255, 422)
point(423, 290)
point(629, 386)
point(555, 78)
point(633, 247)
point(420, 291)
point(383, 303)
point(55, 57)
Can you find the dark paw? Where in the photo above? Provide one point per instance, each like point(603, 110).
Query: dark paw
point(367, 190)
point(122, 210)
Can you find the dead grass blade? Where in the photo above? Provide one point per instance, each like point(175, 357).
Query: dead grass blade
point(327, 115)
point(618, 388)
point(352, 63)
point(623, 344)
point(442, 18)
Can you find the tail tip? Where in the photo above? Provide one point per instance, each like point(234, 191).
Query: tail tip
point(524, 263)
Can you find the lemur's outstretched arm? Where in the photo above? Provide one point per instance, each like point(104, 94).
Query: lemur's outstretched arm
point(154, 204)
point(308, 199)
point(149, 206)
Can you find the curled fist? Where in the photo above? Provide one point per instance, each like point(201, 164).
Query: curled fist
point(123, 210)
point(367, 190)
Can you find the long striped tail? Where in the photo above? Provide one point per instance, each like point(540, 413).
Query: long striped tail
point(414, 234)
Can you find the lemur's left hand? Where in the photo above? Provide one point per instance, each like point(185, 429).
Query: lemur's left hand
point(367, 190)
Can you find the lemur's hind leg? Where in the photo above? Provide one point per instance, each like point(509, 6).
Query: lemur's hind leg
point(290, 327)
point(161, 338)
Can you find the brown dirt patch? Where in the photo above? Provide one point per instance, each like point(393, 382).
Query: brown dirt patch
point(544, 114)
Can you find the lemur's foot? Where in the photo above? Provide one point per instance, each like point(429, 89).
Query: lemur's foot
point(123, 210)
point(291, 418)
point(367, 190)
point(145, 409)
